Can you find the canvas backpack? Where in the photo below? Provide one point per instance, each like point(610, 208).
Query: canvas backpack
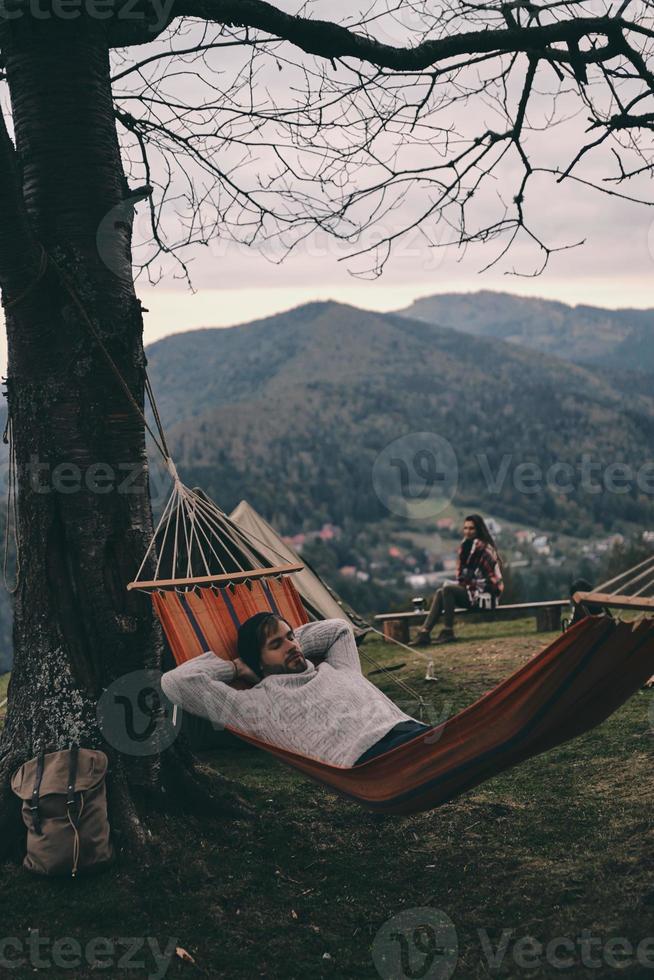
point(65, 811)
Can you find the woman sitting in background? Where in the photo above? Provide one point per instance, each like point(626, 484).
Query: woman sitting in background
point(478, 571)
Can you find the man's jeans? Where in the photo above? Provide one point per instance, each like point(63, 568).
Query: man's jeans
point(405, 731)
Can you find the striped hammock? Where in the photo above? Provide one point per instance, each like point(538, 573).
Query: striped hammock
point(568, 688)
point(562, 692)
point(202, 619)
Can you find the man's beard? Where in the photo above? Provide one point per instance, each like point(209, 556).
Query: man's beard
point(296, 667)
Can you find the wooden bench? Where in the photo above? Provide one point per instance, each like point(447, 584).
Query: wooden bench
point(548, 616)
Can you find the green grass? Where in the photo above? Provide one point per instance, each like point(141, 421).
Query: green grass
point(560, 844)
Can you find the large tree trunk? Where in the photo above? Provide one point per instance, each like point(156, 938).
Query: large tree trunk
point(82, 532)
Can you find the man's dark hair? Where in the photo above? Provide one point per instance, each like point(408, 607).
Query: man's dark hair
point(252, 635)
point(591, 608)
point(580, 585)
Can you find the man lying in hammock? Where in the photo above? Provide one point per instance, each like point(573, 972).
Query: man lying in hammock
point(307, 692)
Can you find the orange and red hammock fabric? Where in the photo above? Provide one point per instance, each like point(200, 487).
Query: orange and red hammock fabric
point(566, 689)
point(202, 619)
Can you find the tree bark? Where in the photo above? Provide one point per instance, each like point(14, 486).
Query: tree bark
point(84, 508)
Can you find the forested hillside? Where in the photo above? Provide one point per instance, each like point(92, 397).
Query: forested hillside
point(292, 411)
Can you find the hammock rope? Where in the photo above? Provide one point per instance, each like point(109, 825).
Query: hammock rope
point(415, 695)
point(627, 584)
point(194, 538)
point(632, 589)
point(160, 442)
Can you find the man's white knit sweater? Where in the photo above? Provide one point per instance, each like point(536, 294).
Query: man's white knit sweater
point(329, 712)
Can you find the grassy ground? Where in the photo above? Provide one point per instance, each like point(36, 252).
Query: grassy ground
point(559, 845)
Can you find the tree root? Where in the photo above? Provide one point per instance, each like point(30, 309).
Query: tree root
point(204, 792)
point(130, 837)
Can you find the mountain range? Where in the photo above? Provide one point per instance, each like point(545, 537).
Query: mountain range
point(620, 340)
point(293, 410)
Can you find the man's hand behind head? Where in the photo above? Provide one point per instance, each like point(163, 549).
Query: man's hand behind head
point(245, 673)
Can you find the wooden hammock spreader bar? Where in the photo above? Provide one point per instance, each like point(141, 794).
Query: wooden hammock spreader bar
point(253, 573)
point(616, 601)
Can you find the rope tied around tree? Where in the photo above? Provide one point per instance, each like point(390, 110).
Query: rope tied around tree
point(44, 260)
point(158, 438)
point(12, 502)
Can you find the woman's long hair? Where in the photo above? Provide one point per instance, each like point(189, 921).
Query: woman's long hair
point(482, 532)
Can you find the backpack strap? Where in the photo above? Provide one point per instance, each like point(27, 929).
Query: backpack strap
point(70, 803)
point(34, 802)
point(72, 775)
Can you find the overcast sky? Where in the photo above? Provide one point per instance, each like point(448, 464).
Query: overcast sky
point(613, 268)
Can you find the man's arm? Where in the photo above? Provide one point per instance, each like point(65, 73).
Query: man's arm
point(200, 686)
point(331, 640)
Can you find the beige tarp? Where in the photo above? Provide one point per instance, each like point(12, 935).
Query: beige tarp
point(319, 600)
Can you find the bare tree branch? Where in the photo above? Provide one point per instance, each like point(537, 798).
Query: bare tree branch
point(333, 41)
point(173, 53)
point(375, 140)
